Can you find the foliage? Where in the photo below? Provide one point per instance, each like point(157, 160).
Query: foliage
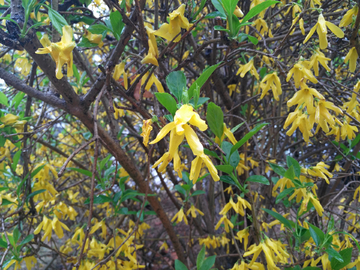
point(203, 135)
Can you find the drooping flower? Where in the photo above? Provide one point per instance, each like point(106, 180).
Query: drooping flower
point(177, 21)
point(61, 52)
point(192, 210)
point(271, 81)
point(300, 72)
point(196, 165)
point(153, 53)
point(316, 58)
point(94, 38)
point(351, 57)
point(305, 97)
point(348, 17)
point(120, 70)
point(246, 68)
point(146, 129)
point(321, 28)
point(180, 216)
point(227, 223)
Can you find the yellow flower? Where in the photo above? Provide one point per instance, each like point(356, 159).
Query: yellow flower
point(271, 81)
point(57, 227)
point(146, 129)
point(192, 210)
point(300, 72)
point(351, 57)
point(321, 28)
point(46, 226)
point(30, 262)
point(196, 165)
point(61, 52)
point(228, 133)
point(320, 171)
point(118, 112)
point(94, 38)
point(153, 53)
point(305, 96)
point(180, 216)
point(177, 21)
point(317, 58)
point(151, 81)
point(323, 116)
point(120, 70)
point(348, 130)
point(348, 17)
point(261, 25)
point(227, 223)
point(17, 265)
point(238, 12)
point(246, 68)
point(9, 119)
point(243, 235)
point(301, 121)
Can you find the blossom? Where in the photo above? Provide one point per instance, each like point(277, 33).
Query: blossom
point(94, 38)
point(45, 224)
point(227, 223)
point(320, 171)
point(120, 70)
point(152, 80)
point(351, 57)
point(300, 72)
point(321, 28)
point(317, 58)
point(348, 17)
point(17, 265)
point(30, 262)
point(226, 132)
point(271, 81)
point(146, 129)
point(246, 68)
point(180, 216)
point(348, 130)
point(305, 96)
point(323, 116)
point(57, 227)
point(196, 167)
point(243, 235)
point(301, 121)
point(192, 210)
point(61, 52)
point(177, 21)
point(153, 53)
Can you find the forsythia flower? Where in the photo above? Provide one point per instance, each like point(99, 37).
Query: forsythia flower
point(153, 53)
point(348, 17)
point(351, 57)
point(305, 96)
point(120, 70)
point(152, 80)
point(243, 235)
point(177, 21)
point(180, 216)
point(321, 28)
point(94, 38)
point(246, 68)
point(196, 167)
point(317, 58)
point(192, 210)
point(271, 81)
point(61, 52)
point(227, 223)
point(146, 129)
point(300, 72)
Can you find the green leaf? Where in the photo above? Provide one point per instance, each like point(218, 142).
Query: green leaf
point(37, 170)
point(3, 99)
point(283, 194)
point(247, 137)
point(316, 234)
point(27, 239)
point(346, 256)
point(3, 244)
point(234, 129)
point(229, 6)
point(227, 179)
point(225, 168)
point(205, 75)
point(84, 172)
point(198, 192)
point(116, 24)
point(16, 159)
point(98, 29)
point(176, 82)
point(202, 4)
point(258, 179)
point(252, 39)
point(167, 101)
point(16, 235)
point(179, 265)
point(57, 20)
point(290, 173)
point(293, 162)
point(208, 263)
point(331, 224)
point(86, 43)
point(35, 193)
point(200, 258)
point(257, 9)
point(215, 14)
point(180, 189)
point(333, 253)
point(17, 99)
point(277, 169)
point(200, 101)
point(221, 28)
point(99, 199)
point(278, 217)
point(234, 158)
point(104, 161)
point(218, 5)
point(215, 119)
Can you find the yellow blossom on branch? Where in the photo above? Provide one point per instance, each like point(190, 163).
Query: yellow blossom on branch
point(146, 129)
point(321, 28)
point(246, 68)
point(271, 81)
point(351, 57)
point(153, 53)
point(348, 17)
point(192, 210)
point(61, 52)
point(94, 38)
point(180, 216)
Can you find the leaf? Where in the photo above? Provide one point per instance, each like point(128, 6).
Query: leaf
point(167, 101)
point(104, 161)
point(84, 172)
point(333, 253)
point(247, 137)
point(205, 75)
point(57, 20)
point(278, 217)
point(16, 159)
point(3, 244)
point(215, 119)
point(220, 28)
point(99, 199)
point(227, 179)
point(86, 43)
point(277, 169)
point(198, 192)
point(200, 102)
point(218, 5)
point(98, 29)
point(16, 234)
point(252, 39)
point(27, 239)
point(180, 189)
point(225, 168)
point(202, 4)
point(234, 129)
point(316, 234)
point(179, 265)
point(116, 24)
point(331, 223)
point(290, 173)
point(208, 263)
point(215, 14)
point(3, 99)
point(234, 158)
point(229, 6)
point(37, 170)
point(283, 194)
point(176, 82)
point(258, 179)
point(35, 193)
point(257, 9)
point(293, 162)
point(346, 256)
point(200, 258)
